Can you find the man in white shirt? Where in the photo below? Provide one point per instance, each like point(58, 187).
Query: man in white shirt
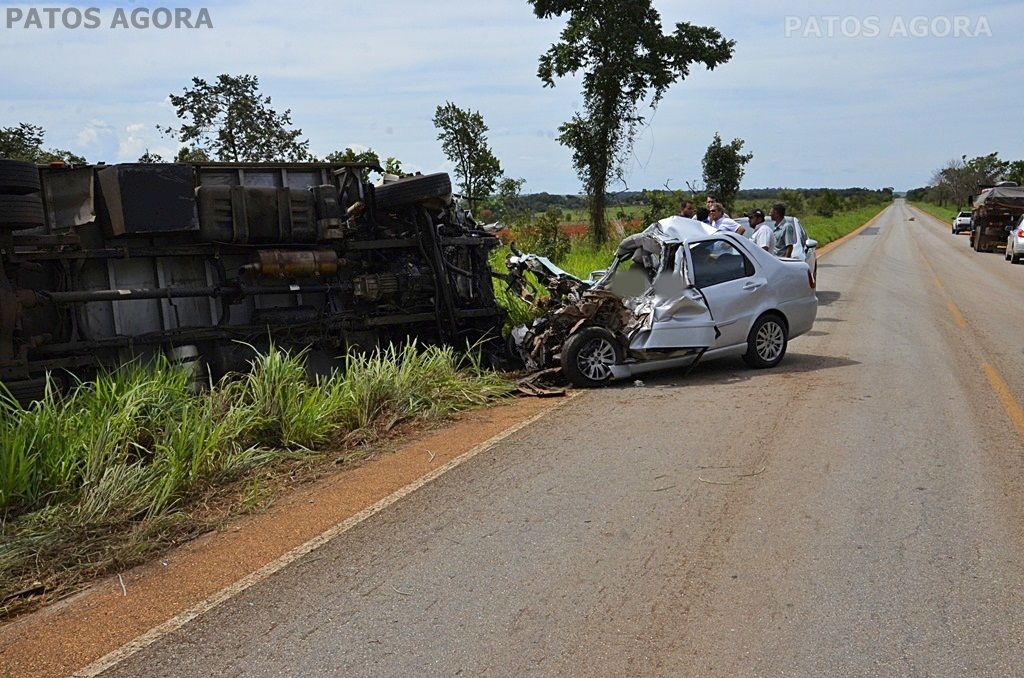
point(764, 236)
point(718, 221)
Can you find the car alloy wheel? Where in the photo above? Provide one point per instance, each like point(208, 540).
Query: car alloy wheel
point(595, 359)
point(770, 340)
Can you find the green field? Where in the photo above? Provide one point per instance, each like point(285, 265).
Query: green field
point(822, 229)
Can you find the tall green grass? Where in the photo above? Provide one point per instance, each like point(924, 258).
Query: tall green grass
point(94, 479)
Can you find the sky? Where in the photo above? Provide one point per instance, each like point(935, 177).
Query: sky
point(823, 93)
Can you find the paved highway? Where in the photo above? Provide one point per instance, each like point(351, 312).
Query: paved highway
point(856, 511)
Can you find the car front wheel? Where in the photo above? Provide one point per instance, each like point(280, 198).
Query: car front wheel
point(766, 343)
point(588, 356)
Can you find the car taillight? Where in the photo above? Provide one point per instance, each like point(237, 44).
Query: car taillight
point(810, 279)
point(1020, 232)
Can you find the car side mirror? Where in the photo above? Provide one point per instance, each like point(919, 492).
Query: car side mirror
point(811, 244)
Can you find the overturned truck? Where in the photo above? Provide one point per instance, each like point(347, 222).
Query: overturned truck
point(210, 262)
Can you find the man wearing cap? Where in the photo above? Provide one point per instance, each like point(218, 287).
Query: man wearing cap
point(763, 236)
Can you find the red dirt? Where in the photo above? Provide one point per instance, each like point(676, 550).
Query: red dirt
point(71, 634)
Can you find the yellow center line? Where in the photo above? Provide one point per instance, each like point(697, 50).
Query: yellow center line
point(954, 310)
point(1006, 399)
point(958, 317)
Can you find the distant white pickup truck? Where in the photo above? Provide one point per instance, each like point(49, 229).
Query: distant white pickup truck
point(961, 222)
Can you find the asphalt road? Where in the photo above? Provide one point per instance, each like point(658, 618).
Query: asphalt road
point(856, 511)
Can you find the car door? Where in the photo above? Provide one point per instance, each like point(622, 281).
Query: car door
point(731, 284)
point(676, 312)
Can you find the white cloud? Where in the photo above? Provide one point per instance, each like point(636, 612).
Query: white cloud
point(133, 144)
point(92, 132)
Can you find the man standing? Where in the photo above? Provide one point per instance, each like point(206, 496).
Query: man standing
point(783, 231)
point(689, 209)
point(720, 222)
point(763, 236)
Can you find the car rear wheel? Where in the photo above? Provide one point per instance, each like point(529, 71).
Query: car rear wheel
point(588, 356)
point(1015, 258)
point(767, 342)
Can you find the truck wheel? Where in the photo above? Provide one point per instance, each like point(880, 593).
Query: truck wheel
point(767, 342)
point(18, 177)
point(21, 211)
point(588, 356)
point(412, 190)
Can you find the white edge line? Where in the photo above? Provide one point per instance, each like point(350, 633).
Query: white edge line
point(150, 637)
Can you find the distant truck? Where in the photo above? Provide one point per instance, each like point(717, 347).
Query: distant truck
point(996, 209)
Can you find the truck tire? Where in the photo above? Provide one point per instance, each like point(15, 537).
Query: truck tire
point(18, 177)
point(411, 190)
point(21, 211)
point(587, 357)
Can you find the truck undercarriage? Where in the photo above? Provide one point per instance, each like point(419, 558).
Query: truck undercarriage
point(211, 262)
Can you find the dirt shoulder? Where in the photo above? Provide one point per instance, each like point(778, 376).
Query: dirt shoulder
point(71, 634)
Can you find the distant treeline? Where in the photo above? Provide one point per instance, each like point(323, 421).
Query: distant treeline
point(540, 202)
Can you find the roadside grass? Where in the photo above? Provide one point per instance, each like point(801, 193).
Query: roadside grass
point(99, 478)
point(827, 229)
point(942, 212)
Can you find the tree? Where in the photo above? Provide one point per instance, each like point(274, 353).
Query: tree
point(150, 158)
point(986, 169)
point(1015, 172)
point(661, 204)
point(463, 137)
point(960, 178)
point(25, 142)
point(625, 58)
point(232, 121)
point(393, 165)
point(828, 203)
point(507, 205)
point(390, 165)
point(191, 154)
point(724, 168)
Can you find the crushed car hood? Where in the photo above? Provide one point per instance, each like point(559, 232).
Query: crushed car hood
point(642, 321)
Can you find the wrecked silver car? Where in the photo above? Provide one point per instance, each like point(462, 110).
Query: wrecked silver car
point(675, 293)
